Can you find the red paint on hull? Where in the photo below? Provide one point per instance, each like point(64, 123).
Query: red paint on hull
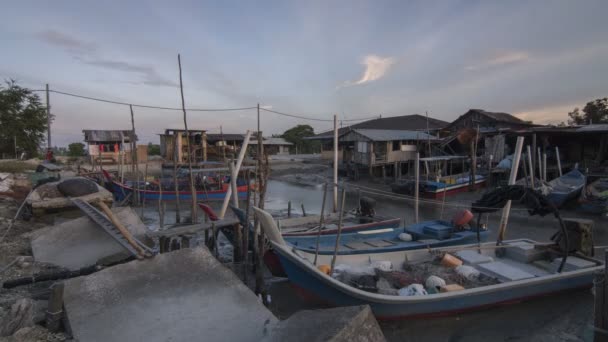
point(439, 195)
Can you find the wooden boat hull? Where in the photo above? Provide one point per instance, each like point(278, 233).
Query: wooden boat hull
point(327, 243)
point(449, 189)
point(121, 191)
point(566, 187)
point(305, 276)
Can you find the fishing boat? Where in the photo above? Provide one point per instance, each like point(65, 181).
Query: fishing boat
point(307, 226)
point(433, 184)
point(595, 197)
point(121, 191)
point(566, 187)
point(428, 234)
point(520, 273)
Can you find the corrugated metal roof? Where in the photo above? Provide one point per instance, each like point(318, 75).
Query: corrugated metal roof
point(393, 134)
point(593, 128)
point(99, 135)
point(407, 122)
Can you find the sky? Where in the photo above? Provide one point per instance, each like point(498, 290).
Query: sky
point(356, 59)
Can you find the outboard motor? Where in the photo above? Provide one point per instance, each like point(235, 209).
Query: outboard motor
point(367, 206)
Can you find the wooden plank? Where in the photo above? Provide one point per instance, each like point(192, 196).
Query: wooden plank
point(194, 228)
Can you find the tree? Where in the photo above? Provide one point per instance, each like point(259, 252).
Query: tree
point(296, 135)
point(594, 112)
point(76, 149)
point(22, 118)
point(153, 150)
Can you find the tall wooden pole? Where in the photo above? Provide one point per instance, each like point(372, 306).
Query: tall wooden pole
point(417, 187)
point(133, 142)
point(193, 212)
point(321, 220)
point(175, 184)
point(337, 245)
point(530, 158)
point(545, 167)
point(559, 162)
point(335, 163)
point(48, 118)
point(540, 165)
point(512, 177)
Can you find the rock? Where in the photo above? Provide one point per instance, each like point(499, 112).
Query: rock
point(20, 316)
point(75, 187)
point(24, 261)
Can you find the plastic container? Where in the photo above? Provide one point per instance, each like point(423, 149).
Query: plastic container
point(462, 217)
point(324, 268)
point(450, 261)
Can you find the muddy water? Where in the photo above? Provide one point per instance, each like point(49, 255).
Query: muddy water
point(564, 317)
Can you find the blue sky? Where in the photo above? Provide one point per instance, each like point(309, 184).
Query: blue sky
point(536, 59)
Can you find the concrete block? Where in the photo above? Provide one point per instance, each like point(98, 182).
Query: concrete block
point(185, 295)
point(473, 257)
point(503, 271)
point(354, 323)
point(81, 242)
point(524, 252)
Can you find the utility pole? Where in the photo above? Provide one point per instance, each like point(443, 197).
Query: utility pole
point(48, 123)
point(335, 163)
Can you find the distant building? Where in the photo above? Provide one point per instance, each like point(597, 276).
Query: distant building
point(379, 148)
point(174, 144)
point(272, 146)
point(105, 146)
point(414, 122)
point(487, 121)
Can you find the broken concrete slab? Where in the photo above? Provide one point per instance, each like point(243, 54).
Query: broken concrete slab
point(185, 295)
point(353, 323)
point(81, 242)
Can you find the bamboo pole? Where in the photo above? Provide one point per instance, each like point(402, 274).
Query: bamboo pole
point(175, 184)
point(122, 158)
point(321, 221)
point(303, 210)
point(601, 303)
point(545, 167)
point(193, 212)
point(531, 166)
point(559, 162)
point(540, 165)
point(161, 214)
point(246, 225)
point(340, 217)
point(335, 174)
point(143, 199)
point(512, 177)
point(48, 119)
point(237, 169)
point(417, 187)
point(123, 230)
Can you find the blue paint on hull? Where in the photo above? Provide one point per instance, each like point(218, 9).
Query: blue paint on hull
point(319, 285)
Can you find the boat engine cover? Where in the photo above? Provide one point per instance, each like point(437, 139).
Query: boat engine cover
point(367, 206)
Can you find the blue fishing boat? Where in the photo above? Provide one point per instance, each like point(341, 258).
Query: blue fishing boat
point(506, 279)
point(595, 198)
point(121, 191)
point(435, 233)
point(428, 234)
point(566, 187)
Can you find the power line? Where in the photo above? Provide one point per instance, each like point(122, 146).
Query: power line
point(148, 106)
point(313, 119)
point(199, 109)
